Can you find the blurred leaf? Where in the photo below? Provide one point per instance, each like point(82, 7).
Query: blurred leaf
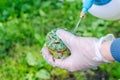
point(1, 25)
point(46, 4)
point(43, 74)
point(37, 36)
point(29, 76)
point(31, 60)
point(42, 13)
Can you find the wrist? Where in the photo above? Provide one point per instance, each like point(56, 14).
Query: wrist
point(105, 50)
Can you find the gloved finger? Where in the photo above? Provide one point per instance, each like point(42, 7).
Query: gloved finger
point(61, 63)
point(47, 56)
point(67, 37)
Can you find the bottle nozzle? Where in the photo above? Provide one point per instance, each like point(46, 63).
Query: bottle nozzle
point(87, 4)
point(82, 14)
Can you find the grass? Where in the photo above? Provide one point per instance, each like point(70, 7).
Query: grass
point(23, 28)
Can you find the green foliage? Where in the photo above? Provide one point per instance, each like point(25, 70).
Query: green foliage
point(31, 59)
point(23, 28)
point(43, 74)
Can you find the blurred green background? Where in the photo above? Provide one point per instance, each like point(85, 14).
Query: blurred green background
point(23, 27)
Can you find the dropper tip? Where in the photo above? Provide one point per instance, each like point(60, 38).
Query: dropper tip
point(82, 14)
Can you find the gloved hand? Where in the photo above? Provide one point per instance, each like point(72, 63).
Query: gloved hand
point(85, 52)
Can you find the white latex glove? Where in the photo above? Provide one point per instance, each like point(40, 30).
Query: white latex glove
point(85, 52)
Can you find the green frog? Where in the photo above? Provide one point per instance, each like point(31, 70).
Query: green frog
point(56, 46)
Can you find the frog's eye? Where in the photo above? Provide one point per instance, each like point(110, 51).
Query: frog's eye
point(57, 42)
